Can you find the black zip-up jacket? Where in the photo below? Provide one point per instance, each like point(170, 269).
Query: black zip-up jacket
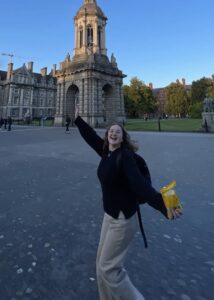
point(120, 186)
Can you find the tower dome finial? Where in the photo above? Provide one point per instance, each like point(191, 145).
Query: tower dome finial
point(90, 1)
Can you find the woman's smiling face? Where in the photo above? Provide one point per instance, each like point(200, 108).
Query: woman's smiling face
point(115, 137)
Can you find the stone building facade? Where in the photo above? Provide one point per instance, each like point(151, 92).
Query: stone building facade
point(89, 78)
point(25, 94)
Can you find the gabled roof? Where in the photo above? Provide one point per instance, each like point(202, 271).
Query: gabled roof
point(39, 77)
point(22, 70)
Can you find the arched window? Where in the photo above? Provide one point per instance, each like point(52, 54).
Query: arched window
point(89, 36)
point(80, 37)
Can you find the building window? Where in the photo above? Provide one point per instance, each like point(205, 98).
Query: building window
point(41, 102)
point(89, 36)
point(81, 37)
point(15, 112)
point(49, 102)
point(34, 101)
point(15, 100)
point(26, 101)
point(25, 112)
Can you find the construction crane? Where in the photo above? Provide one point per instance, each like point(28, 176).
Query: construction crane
point(12, 55)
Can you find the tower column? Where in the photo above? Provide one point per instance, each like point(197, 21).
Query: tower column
point(84, 36)
point(76, 36)
point(63, 100)
point(96, 47)
point(58, 99)
point(103, 42)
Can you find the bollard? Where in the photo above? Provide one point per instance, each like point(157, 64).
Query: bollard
point(159, 124)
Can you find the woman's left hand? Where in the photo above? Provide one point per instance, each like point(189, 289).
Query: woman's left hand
point(174, 213)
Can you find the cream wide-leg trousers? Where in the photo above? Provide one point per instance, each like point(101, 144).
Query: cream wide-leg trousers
point(113, 280)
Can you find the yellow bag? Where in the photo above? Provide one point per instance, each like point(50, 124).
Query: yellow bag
point(171, 199)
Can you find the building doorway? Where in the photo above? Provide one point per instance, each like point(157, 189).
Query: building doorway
point(72, 98)
point(107, 102)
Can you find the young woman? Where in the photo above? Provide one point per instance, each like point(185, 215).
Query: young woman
point(120, 188)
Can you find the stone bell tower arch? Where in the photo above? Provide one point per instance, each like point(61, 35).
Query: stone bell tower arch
point(89, 77)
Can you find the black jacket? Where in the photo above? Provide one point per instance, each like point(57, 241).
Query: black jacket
point(120, 186)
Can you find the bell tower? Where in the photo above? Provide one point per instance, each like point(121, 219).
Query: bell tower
point(90, 78)
point(90, 24)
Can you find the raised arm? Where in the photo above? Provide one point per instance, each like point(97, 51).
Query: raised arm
point(89, 134)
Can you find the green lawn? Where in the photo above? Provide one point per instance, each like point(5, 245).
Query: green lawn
point(179, 125)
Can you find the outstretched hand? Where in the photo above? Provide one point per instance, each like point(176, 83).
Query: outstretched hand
point(171, 201)
point(174, 213)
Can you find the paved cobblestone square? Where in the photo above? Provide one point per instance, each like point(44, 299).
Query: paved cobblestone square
point(51, 213)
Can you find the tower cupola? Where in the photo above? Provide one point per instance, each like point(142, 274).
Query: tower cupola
point(90, 24)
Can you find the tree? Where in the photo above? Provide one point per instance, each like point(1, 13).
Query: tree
point(138, 98)
point(196, 110)
point(199, 89)
point(210, 90)
point(129, 104)
point(177, 100)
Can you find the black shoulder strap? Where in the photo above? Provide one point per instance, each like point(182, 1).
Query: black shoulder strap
point(141, 226)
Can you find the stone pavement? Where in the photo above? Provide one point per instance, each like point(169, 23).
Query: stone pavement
point(51, 213)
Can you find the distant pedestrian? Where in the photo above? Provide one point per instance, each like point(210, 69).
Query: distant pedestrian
point(5, 123)
point(67, 124)
point(1, 122)
point(206, 126)
point(9, 121)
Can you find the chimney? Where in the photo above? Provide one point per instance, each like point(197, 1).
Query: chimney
point(184, 82)
point(61, 66)
point(151, 85)
point(54, 70)
point(30, 66)
point(9, 71)
point(44, 71)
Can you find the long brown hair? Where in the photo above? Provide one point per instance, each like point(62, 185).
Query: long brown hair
point(126, 143)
